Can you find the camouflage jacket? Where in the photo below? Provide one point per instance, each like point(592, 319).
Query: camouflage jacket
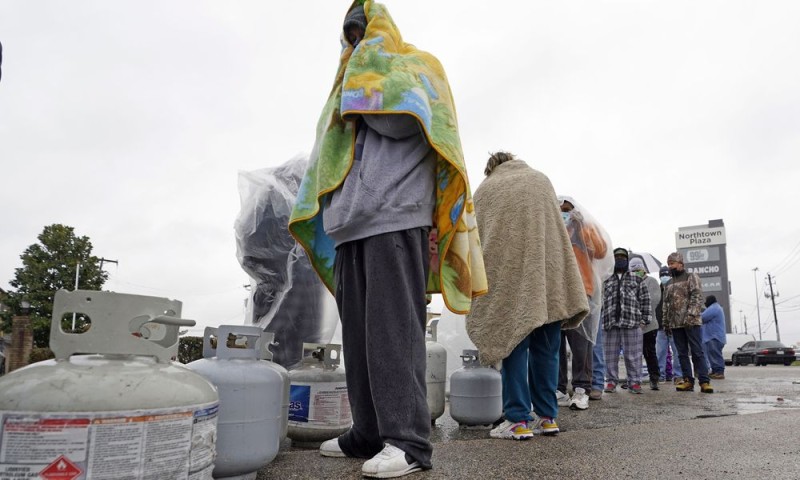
point(683, 302)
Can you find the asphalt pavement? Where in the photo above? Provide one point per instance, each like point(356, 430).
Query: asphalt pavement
point(749, 428)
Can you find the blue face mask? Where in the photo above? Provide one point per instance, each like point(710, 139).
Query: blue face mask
point(565, 216)
point(665, 279)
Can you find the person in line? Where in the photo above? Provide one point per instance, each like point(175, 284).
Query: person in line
point(626, 306)
point(668, 365)
point(683, 301)
point(713, 318)
point(385, 178)
point(649, 331)
point(535, 290)
point(590, 246)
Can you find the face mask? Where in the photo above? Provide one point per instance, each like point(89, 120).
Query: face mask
point(565, 217)
point(639, 273)
point(621, 265)
point(665, 279)
point(675, 272)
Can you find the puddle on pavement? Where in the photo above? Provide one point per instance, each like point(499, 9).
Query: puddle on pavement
point(764, 404)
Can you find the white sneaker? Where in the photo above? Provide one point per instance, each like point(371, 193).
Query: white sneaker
point(331, 448)
point(512, 430)
point(579, 400)
point(389, 463)
point(562, 398)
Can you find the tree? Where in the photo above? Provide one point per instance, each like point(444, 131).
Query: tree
point(49, 266)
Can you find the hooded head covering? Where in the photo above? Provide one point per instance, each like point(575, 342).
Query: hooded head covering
point(355, 18)
point(675, 257)
point(636, 265)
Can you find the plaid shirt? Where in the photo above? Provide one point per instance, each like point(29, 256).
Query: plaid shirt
point(626, 302)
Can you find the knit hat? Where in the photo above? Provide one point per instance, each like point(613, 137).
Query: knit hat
point(675, 257)
point(663, 271)
point(621, 251)
point(636, 265)
point(355, 18)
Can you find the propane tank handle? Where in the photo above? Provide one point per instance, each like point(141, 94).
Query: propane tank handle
point(248, 350)
point(433, 329)
point(469, 358)
point(330, 355)
point(119, 324)
point(267, 339)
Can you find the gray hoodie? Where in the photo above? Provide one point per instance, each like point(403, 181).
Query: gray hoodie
point(390, 186)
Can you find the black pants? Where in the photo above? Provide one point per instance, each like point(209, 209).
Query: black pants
point(650, 357)
point(380, 292)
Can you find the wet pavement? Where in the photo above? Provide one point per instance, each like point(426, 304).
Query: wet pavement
point(749, 428)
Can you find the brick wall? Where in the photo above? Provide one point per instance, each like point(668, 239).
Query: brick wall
point(18, 354)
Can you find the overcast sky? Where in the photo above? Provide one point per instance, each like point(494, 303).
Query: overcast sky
point(129, 121)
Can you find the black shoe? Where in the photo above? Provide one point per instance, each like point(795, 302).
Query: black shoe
point(654, 385)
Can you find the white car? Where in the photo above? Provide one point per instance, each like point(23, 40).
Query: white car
point(732, 343)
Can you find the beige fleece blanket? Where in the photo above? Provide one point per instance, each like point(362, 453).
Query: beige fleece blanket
point(532, 272)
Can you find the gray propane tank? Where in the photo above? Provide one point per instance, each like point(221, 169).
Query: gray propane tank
point(319, 408)
point(124, 410)
point(253, 398)
point(476, 392)
point(435, 371)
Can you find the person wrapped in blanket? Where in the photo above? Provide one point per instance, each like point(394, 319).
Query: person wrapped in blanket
point(386, 180)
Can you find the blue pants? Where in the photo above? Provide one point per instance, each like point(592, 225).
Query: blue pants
point(689, 340)
point(713, 351)
point(663, 343)
point(530, 375)
point(598, 361)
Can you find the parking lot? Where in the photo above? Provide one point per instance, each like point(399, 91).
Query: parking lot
point(740, 431)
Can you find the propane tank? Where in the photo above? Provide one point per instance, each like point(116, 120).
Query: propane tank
point(252, 396)
point(435, 371)
point(476, 392)
point(319, 408)
point(124, 410)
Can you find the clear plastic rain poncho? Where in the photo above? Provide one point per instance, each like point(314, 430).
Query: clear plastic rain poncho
point(287, 297)
point(593, 251)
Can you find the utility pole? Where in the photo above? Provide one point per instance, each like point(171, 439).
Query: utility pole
point(772, 296)
point(758, 308)
point(107, 261)
point(77, 276)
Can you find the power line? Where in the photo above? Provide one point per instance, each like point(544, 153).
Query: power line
point(788, 263)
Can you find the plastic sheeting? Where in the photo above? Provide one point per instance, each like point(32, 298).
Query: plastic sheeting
point(287, 297)
point(578, 225)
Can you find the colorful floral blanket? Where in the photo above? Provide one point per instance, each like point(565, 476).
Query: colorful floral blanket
point(383, 74)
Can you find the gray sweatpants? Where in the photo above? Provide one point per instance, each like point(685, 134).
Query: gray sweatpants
point(581, 361)
point(380, 292)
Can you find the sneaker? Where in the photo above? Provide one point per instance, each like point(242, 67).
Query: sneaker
point(677, 380)
point(331, 448)
point(635, 388)
point(610, 387)
point(579, 400)
point(545, 426)
point(664, 380)
point(684, 386)
point(717, 376)
point(562, 398)
point(512, 430)
point(389, 463)
point(596, 394)
point(705, 387)
point(654, 385)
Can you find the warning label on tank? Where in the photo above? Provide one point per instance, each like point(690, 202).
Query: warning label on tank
point(319, 405)
point(138, 445)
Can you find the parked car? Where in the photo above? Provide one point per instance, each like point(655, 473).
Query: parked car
point(762, 352)
point(732, 343)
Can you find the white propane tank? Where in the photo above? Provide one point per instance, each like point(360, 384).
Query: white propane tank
point(476, 392)
point(435, 371)
point(253, 398)
point(319, 408)
point(123, 411)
